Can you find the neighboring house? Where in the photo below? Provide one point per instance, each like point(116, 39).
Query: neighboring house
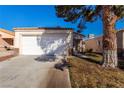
point(6, 38)
point(96, 43)
point(44, 41)
point(120, 42)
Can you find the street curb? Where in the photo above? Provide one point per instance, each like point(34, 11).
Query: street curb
point(69, 81)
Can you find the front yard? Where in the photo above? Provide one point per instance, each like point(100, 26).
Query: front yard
point(89, 73)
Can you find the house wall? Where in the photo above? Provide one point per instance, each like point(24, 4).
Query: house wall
point(19, 34)
point(95, 44)
point(97, 47)
point(120, 40)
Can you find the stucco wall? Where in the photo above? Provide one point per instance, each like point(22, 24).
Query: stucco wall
point(120, 40)
point(61, 39)
point(95, 44)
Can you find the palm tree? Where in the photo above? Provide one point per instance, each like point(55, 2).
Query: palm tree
point(109, 15)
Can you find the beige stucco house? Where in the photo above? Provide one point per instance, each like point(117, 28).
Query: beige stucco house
point(40, 41)
point(45, 41)
point(96, 43)
point(6, 38)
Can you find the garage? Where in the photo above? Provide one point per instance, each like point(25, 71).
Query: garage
point(30, 46)
point(42, 42)
point(46, 44)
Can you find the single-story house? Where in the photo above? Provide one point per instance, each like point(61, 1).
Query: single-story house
point(6, 39)
point(96, 43)
point(44, 41)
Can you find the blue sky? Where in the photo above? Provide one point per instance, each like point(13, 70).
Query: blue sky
point(42, 16)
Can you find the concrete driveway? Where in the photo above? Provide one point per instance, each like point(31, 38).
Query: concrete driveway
point(25, 72)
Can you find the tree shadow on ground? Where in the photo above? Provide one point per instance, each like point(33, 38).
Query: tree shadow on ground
point(62, 65)
point(120, 61)
point(46, 58)
point(91, 54)
point(90, 60)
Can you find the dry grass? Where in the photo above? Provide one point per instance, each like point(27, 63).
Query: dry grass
point(84, 73)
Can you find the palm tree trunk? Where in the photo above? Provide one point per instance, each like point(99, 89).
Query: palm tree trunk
point(109, 38)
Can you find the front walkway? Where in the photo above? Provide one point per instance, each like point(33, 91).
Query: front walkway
point(26, 72)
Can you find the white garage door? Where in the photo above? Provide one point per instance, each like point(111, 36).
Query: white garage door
point(46, 44)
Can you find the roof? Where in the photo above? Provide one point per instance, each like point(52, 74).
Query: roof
point(122, 30)
point(94, 38)
point(38, 28)
point(7, 31)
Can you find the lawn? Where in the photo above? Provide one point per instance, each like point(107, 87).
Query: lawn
point(88, 73)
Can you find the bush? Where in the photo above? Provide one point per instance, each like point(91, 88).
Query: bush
point(89, 50)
